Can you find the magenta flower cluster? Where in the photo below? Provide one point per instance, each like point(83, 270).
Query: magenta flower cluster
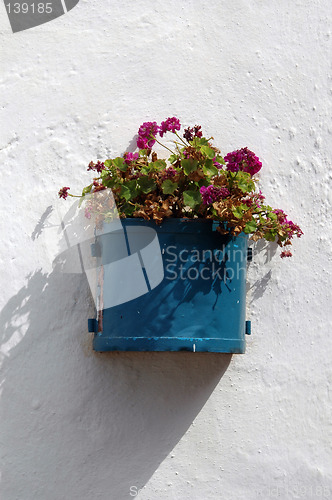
point(243, 159)
point(217, 164)
point(63, 193)
point(282, 217)
point(286, 253)
point(213, 193)
point(149, 130)
point(146, 135)
point(168, 173)
point(190, 133)
point(98, 167)
point(130, 157)
point(256, 199)
point(169, 125)
point(291, 227)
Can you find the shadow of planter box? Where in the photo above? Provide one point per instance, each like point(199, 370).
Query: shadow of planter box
point(187, 288)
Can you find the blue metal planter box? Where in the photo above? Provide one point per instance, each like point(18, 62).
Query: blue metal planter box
point(176, 286)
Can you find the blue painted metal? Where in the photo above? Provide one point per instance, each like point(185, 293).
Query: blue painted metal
point(92, 325)
point(248, 327)
point(199, 304)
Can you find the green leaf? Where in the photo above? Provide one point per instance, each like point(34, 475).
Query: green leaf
point(272, 216)
point(202, 182)
point(189, 165)
point(87, 190)
point(192, 198)
point(157, 165)
point(109, 180)
point(270, 235)
point(237, 212)
point(250, 227)
point(209, 169)
point(125, 192)
point(244, 182)
point(207, 151)
point(128, 209)
point(169, 187)
point(109, 183)
point(220, 159)
point(173, 158)
point(146, 185)
point(120, 164)
point(108, 163)
point(132, 186)
point(104, 174)
point(128, 190)
point(197, 142)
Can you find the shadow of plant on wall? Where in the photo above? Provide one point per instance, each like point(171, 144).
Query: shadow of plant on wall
point(75, 420)
point(265, 252)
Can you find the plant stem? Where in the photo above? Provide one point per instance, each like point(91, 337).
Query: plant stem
point(232, 179)
point(163, 145)
point(181, 139)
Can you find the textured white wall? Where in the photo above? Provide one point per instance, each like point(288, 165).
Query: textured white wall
point(78, 425)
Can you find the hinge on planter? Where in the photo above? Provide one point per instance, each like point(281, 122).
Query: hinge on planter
point(95, 250)
point(248, 327)
point(249, 254)
point(92, 325)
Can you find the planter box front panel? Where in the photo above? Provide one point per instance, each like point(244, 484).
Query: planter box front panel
point(186, 292)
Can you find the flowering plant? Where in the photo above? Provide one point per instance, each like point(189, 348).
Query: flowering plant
point(195, 182)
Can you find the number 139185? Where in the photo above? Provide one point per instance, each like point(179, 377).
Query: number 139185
point(32, 8)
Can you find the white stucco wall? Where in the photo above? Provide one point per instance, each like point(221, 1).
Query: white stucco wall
point(81, 425)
